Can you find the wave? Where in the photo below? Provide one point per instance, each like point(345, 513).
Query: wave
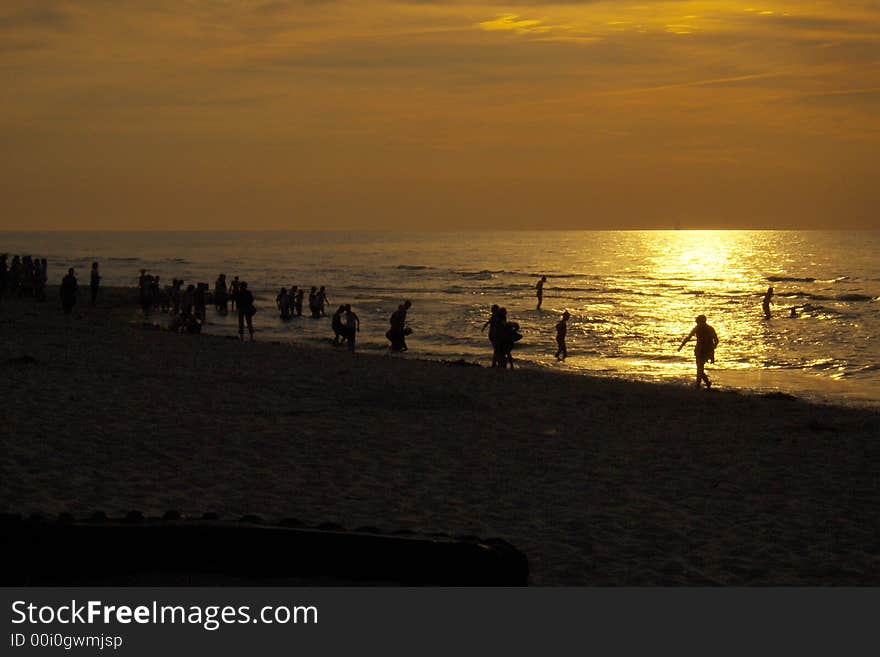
point(526, 274)
point(412, 267)
point(823, 297)
point(866, 368)
point(790, 279)
point(484, 275)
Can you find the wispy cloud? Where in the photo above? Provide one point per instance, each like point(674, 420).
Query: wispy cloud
point(639, 95)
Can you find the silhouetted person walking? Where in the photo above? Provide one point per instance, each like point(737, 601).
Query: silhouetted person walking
point(246, 310)
point(68, 292)
point(539, 291)
point(704, 350)
point(398, 331)
point(94, 282)
point(561, 330)
point(767, 301)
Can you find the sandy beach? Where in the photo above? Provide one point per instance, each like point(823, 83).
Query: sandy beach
point(597, 481)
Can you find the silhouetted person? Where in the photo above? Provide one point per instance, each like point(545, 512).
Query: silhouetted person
point(42, 277)
point(26, 277)
point(142, 290)
point(15, 275)
point(539, 291)
point(793, 314)
point(507, 334)
point(561, 330)
point(314, 308)
point(284, 303)
point(200, 300)
point(233, 292)
point(246, 310)
point(68, 292)
point(493, 323)
point(336, 325)
point(94, 282)
point(187, 301)
point(155, 295)
point(176, 294)
point(765, 304)
point(322, 300)
point(298, 294)
point(4, 275)
point(398, 331)
point(350, 325)
point(221, 295)
point(704, 350)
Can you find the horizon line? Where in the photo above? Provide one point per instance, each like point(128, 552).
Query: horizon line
point(436, 230)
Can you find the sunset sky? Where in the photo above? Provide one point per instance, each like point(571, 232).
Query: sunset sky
point(439, 114)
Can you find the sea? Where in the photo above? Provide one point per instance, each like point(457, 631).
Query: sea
point(632, 295)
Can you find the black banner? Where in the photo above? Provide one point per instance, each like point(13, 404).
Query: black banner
point(454, 621)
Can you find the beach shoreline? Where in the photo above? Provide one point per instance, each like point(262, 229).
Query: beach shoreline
point(599, 481)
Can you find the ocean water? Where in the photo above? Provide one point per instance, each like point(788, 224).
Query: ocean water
point(633, 295)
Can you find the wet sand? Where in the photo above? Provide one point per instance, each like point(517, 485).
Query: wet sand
point(598, 482)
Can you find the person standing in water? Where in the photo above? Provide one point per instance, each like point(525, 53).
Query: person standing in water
point(94, 282)
point(336, 323)
point(68, 292)
point(539, 291)
point(322, 301)
point(283, 302)
point(704, 350)
point(767, 301)
point(561, 330)
point(350, 325)
point(313, 302)
point(297, 295)
point(246, 310)
point(233, 292)
point(221, 300)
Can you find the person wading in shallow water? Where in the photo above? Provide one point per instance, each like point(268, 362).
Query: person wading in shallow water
point(245, 302)
point(539, 291)
point(765, 304)
point(561, 330)
point(704, 350)
point(351, 324)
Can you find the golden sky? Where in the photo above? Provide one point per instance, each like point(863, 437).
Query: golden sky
point(431, 114)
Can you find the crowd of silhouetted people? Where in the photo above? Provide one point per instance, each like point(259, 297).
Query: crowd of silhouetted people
point(23, 276)
point(187, 303)
point(26, 277)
